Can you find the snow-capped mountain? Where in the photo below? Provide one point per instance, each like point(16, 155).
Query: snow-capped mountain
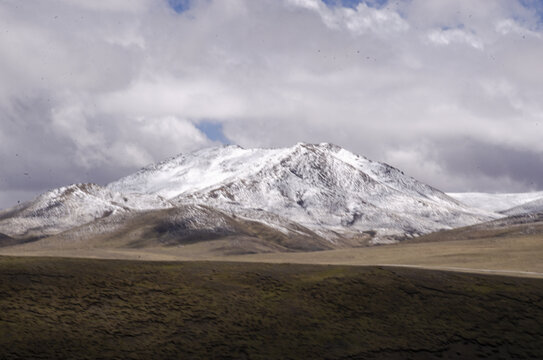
point(320, 192)
point(322, 187)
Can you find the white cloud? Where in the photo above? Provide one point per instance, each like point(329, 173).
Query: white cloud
point(446, 37)
point(359, 20)
point(109, 5)
point(192, 98)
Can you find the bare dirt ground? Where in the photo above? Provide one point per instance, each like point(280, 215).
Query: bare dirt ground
point(509, 255)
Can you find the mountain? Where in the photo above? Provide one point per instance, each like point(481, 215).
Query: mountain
point(530, 207)
point(322, 187)
point(497, 202)
point(309, 196)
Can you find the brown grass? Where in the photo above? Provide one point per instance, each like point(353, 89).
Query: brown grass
point(512, 255)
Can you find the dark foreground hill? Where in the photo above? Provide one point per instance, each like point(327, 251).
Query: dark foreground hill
point(55, 308)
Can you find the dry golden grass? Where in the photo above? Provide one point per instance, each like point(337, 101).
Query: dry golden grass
point(513, 255)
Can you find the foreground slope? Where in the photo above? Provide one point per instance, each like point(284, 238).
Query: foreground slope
point(81, 309)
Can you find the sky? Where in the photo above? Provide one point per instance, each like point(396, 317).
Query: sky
point(448, 91)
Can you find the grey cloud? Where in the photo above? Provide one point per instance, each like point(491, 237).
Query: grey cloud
point(459, 164)
point(472, 159)
point(92, 91)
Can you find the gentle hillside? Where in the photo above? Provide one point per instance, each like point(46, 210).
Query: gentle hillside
point(517, 225)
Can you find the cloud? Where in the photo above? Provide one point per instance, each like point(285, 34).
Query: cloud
point(192, 97)
point(447, 37)
point(358, 20)
point(92, 90)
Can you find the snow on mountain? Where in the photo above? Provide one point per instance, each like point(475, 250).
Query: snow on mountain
point(530, 207)
point(196, 171)
point(67, 207)
point(496, 202)
point(322, 187)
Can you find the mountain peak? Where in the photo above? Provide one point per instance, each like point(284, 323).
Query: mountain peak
point(323, 145)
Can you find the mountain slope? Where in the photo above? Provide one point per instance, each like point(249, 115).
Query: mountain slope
point(530, 207)
point(68, 207)
point(182, 227)
point(526, 224)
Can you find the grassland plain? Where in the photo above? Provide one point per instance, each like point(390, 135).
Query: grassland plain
point(518, 255)
point(61, 308)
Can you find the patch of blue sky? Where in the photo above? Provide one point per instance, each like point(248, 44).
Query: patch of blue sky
point(354, 3)
point(537, 7)
point(460, 26)
point(179, 5)
point(213, 130)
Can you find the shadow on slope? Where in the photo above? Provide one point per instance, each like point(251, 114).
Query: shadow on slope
point(184, 226)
